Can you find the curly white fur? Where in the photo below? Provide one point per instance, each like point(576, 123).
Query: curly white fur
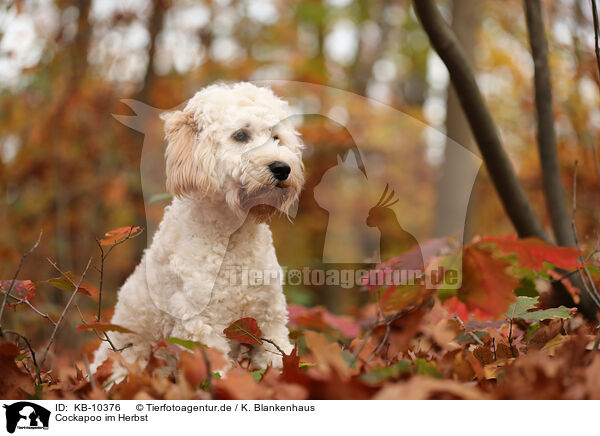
point(180, 288)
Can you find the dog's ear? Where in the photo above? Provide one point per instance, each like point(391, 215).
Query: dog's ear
point(186, 172)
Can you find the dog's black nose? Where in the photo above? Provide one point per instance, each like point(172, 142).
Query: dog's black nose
point(280, 170)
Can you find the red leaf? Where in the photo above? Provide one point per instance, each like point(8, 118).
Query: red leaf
point(533, 252)
point(22, 289)
point(291, 371)
point(486, 290)
point(244, 331)
point(119, 235)
point(104, 327)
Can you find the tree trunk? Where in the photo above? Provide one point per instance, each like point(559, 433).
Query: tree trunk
point(553, 189)
point(159, 8)
point(484, 130)
point(453, 174)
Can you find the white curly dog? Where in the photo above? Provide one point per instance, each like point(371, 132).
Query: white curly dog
point(233, 159)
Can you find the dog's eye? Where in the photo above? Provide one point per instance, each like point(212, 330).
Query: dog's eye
point(276, 138)
point(241, 136)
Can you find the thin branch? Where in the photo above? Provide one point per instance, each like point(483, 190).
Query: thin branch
point(387, 321)
point(484, 129)
point(208, 372)
point(510, 343)
point(12, 283)
point(86, 362)
point(19, 301)
point(62, 315)
point(365, 339)
point(33, 358)
point(103, 257)
point(473, 335)
point(388, 329)
point(596, 34)
point(274, 344)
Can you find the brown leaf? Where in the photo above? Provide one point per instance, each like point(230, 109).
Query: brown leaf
point(427, 388)
point(484, 355)
point(544, 333)
point(503, 351)
point(119, 235)
point(104, 327)
point(239, 385)
point(65, 283)
point(328, 355)
point(14, 383)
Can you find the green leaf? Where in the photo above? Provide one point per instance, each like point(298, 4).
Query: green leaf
point(257, 375)
point(190, 345)
point(383, 373)
point(426, 368)
point(65, 283)
point(526, 288)
point(539, 315)
point(21, 357)
point(521, 309)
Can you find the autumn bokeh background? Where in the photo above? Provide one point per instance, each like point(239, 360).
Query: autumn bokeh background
point(69, 168)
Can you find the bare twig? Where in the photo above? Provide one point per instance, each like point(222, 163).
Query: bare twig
point(512, 315)
point(29, 347)
point(31, 306)
point(103, 257)
point(12, 283)
point(387, 321)
point(596, 34)
point(274, 344)
point(388, 329)
point(473, 335)
point(89, 371)
point(365, 339)
point(208, 372)
point(62, 315)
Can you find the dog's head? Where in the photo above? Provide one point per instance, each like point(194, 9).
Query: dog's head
point(236, 141)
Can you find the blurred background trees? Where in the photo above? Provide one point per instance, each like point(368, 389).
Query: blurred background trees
point(69, 168)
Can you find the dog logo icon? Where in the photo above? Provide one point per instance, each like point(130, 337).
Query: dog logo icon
point(26, 415)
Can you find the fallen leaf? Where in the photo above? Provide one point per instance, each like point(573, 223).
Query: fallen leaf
point(486, 289)
point(244, 331)
point(532, 253)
